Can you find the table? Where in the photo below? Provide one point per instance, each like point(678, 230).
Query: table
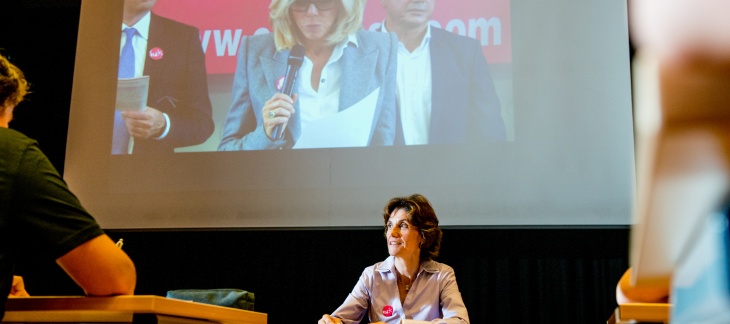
point(123, 309)
point(641, 313)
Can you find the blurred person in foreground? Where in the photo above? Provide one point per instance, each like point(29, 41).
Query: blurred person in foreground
point(408, 285)
point(343, 65)
point(688, 43)
point(40, 215)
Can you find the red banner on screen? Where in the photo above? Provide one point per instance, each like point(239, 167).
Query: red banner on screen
point(222, 23)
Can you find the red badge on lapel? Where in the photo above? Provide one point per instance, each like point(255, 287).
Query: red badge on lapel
point(388, 310)
point(156, 53)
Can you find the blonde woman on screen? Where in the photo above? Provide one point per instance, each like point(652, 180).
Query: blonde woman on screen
point(341, 67)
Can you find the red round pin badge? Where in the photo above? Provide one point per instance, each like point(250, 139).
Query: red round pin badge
point(156, 53)
point(388, 310)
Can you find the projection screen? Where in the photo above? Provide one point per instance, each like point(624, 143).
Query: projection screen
point(561, 71)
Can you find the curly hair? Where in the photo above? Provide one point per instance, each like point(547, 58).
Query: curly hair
point(423, 217)
point(13, 86)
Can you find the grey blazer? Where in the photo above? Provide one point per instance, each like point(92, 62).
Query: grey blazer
point(365, 67)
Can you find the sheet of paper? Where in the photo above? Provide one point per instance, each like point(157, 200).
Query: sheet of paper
point(132, 93)
point(348, 128)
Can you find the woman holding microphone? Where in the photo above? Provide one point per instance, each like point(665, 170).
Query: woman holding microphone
point(342, 66)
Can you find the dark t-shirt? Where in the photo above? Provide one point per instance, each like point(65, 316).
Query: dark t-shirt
point(38, 213)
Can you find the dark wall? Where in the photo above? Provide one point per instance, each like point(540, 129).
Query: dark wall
point(506, 275)
point(39, 36)
point(516, 275)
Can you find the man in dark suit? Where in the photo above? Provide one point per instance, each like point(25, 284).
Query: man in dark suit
point(178, 109)
point(445, 92)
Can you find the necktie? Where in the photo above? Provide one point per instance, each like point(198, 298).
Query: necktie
point(120, 140)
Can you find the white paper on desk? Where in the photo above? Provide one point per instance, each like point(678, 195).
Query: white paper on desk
point(348, 128)
point(132, 93)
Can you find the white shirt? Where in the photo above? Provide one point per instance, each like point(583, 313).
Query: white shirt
point(139, 42)
point(324, 102)
point(413, 90)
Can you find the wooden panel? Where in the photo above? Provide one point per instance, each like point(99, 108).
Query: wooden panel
point(121, 307)
point(641, 312)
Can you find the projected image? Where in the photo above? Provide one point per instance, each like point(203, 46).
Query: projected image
point(505, 112)
point(162, 92)
point(375, 73)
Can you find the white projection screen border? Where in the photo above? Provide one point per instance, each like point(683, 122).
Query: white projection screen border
point(564, 86)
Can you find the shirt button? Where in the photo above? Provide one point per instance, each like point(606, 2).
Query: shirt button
point(322, 80)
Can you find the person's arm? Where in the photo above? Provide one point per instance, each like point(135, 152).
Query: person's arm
point(452, 305)
point(356, 304)
point(484, 106)
point(384, 133)
point(100, 268)
point(191, 120)
point(327, 319)
point(242, 129)
point(52, 221)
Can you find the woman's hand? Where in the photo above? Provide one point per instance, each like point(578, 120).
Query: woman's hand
point(327, 319)
point(277, 111)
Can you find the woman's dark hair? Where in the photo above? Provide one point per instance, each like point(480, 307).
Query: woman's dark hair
point(422, 216)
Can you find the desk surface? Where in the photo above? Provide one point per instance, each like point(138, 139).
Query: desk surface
point(641, 312)
point(121, 308)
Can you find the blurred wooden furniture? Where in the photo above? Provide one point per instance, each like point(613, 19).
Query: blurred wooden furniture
point(641, 313)
point(123, 309)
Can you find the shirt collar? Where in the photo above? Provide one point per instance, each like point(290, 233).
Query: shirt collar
point(427, 37)
point(340, 48)
point(142, 26)
point(351, 39)
point(389, 266)
point(424, 42)
point(382, 27)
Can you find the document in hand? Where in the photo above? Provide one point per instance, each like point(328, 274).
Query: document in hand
point(348, 128)
point(132, 93)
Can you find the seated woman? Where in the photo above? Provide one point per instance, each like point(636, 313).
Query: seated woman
point(408, 284)
point(342, 66)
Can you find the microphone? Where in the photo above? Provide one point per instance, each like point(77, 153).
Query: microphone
point(296, 57)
